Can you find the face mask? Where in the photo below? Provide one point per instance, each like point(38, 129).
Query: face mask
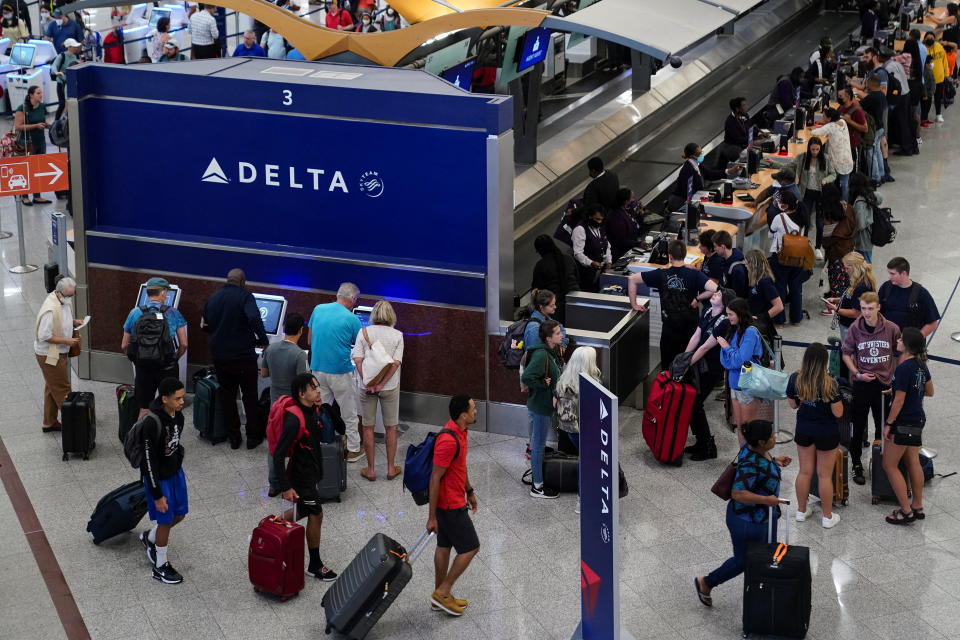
point(700, 158)
point(44, 14)
point(594, 223)
point(366, 21)
point(776, 184)
point(929, 43)
point(390, 12)
point(7, 16)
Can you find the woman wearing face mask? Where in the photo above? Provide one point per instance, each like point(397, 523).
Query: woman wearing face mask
point(13, 27)
point(365, 25)
point(388, 20)
point(694, 169)
point(52, 340)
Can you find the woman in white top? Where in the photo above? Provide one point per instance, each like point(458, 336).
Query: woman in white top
point(52, 341)
point(583, 360)
point(838, 151)
point(159, 37)
point(789, 279)
point(378, 353)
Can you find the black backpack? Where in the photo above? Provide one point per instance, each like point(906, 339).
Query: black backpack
point(675, 304)
point(882, 231)
point(151, 343)
point(133, 441)
point(913, 302)
point(512, 350)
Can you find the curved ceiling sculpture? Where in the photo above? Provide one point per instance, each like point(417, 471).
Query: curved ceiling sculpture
point(414, 11)
point(387, 48)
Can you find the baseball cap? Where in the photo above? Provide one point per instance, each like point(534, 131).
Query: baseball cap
point(785, 175)
point(57, 13)
point(70, 42)
point(158, 282)
point(171, 44)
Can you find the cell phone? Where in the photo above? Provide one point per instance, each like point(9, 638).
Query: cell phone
point(825, 300)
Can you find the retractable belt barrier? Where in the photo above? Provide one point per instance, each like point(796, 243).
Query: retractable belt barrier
point(804, 345)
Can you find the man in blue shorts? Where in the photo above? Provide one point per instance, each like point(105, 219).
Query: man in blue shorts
point(163, 478)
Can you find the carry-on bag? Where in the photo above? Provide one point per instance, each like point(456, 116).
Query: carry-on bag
point(880, 488)
point(78, 417)
point(776, 586)
point(275, 557)
point(127, 408)
point(369, 585)
point(207, 409)
point(841, 479)
point(560, 472)
point(334, 480)
point(666, 420)
point(118, 511)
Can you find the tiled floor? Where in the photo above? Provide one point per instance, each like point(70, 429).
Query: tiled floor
point(872, 581)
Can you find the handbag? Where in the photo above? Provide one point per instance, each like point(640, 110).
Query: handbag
point(377, 362)
point(761, 382)
point(723, 487)
point(75, 348)
point(795, 249)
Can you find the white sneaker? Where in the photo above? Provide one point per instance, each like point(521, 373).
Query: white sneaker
point(803, 515)
point(818, 254)
point(576, 509)
point(940, 118)
point(919, 141)
point(831, 522)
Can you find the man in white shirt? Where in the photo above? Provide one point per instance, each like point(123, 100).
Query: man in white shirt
point(591, 249)
point(204, 33)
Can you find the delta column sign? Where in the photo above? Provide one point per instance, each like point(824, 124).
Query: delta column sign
point(599, 515)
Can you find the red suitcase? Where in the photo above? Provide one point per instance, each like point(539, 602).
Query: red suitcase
point(666, 419)
point(275, 560)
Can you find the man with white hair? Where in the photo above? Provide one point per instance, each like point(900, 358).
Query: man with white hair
point(249, 47)
point(53, 337)
point(333, 329)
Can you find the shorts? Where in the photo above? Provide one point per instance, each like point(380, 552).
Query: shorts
point(309, 503)
point(389, 407)
point(174, 490)
point(741, 396)
point(907, 435)
point(455, 529)
point(822, 443)
point(147, 379)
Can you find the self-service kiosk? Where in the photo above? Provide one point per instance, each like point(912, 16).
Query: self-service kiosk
point(273, 309)
point(135, 42)
point(32, 60)
point(172, 300)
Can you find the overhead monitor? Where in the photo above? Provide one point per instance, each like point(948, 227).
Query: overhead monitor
point(460, 74)
point(172, 299)
point(22, 54)
point(783, 127)
point(534, 47)
point(272, 311)
point(158, 13)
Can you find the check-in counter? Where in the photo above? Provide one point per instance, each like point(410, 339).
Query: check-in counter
point(618, 333)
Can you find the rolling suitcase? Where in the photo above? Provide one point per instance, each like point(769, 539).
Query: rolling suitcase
point(128, 409)
point(666, 420)
point(275, 558)
point(334, 480)
point(369, 585)
point(841, 479)
point(560, 472)
point(207, 410)
point(118, 511)
point(78, 416)
point(776, 587)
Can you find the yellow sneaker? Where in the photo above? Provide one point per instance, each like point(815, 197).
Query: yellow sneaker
point(460, 602)
point(446, 603)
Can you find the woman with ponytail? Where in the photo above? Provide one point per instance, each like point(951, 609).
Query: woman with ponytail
point(30, 121)
point(902, 441)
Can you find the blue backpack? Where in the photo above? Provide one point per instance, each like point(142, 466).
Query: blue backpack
point(418, 466)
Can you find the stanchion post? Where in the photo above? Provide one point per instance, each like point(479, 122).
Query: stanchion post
point(23, 267)
point(778, 366)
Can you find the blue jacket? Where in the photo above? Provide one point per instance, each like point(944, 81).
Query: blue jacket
point(254, 51)
point(232, 319)
point(740, 352)
point(531, 335)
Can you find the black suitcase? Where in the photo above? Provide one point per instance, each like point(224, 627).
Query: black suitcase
point(560, 472)
point(207, 408)
point(127, 408)
point(776, 589)
point(334, 480)
point(118, 511)
point(78, 418)
point(369, 585)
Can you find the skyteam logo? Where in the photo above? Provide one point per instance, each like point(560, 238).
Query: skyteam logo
point(371, 184)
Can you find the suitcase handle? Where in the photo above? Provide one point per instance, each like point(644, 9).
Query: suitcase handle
point(419, 546)
point(771, 538)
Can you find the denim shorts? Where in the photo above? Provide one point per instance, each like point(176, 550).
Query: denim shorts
point(741, 396)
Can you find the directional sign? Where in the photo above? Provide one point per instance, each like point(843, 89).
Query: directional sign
point(33, 174)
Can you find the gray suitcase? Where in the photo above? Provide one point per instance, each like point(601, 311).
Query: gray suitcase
point(334, 481)
point(369, 585)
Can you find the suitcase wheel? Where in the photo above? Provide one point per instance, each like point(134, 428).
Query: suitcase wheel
point(256, 590)
point(844, 502)
point(66, 457)
point(338, 499)
point(874, 500)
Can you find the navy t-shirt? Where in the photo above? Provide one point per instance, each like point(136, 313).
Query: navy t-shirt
point(711, 325)
point(713, 267)
point(814, 419)
point(685, 279)
point(895, 306)
point(762, 296)
point(853, 302)
point(911, 378)
point(736, 279)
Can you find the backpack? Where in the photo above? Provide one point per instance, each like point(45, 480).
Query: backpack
point(60, 132)
point(418, 466)
point(331, 423)
point(151, 343)
point(278, 412)
point(133, 442)
point(795, 249)
point(868, 138)
point(882, 231)
point(913, 302)
point(675, 304)
point(894, 88)
point(511, 351)
point(568, 411)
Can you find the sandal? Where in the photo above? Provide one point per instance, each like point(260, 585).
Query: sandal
point(899, 517)
point(373, 478)
point(918, 513)
point(704, 598)
point(396, 472)
point(41, 201)
point(26, 202)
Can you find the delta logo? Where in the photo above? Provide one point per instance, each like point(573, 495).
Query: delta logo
point(370, 183)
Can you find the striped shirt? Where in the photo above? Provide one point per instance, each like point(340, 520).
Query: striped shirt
point(203, 28)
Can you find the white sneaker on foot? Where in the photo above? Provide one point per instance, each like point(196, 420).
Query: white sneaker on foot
point(831, 522)
point(803, 515)
point(576, 509)
point(940, 118)
point(818, 254)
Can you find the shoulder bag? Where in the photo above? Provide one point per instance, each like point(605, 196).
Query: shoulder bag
point(377, 362)
point(761, 382)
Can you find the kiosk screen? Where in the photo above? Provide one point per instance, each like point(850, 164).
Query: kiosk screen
point(271, 312)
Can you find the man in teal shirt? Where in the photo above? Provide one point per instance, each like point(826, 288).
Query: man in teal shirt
point(333, 330)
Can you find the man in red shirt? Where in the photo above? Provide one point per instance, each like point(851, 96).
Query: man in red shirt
point(450, 491)
point(337, 18)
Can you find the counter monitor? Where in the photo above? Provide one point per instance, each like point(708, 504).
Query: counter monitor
point(272, 310)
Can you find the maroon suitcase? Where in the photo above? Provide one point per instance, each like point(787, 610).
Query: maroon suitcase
point(275, 560)
point(666, 419)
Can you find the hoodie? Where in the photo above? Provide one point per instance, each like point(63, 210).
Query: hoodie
point(162, 451)
point(543, 363)
point(873, 351)
point(742, 350)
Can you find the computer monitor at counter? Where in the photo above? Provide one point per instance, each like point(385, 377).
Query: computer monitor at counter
point(272, 311)
point(172, 299)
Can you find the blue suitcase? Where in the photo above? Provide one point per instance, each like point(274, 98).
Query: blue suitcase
point(118, 511)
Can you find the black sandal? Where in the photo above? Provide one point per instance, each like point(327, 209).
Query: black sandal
point(899, 517)
point(26, 201)
point(704, 598)
point(918, 513)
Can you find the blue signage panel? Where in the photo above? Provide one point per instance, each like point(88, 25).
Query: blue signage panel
point(401, 193)
point(599, 510)
point(534, 49)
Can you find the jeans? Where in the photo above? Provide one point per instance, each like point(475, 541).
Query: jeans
point(843, 181)
point(575, 439)
point(742, 533)
point(699, 426)
point(875, 158)
point(342, 387)
point(789, 282)
point(239, 376)
point(540, 427)
point(811, 202)
point(867, 255)
point(867, 398)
